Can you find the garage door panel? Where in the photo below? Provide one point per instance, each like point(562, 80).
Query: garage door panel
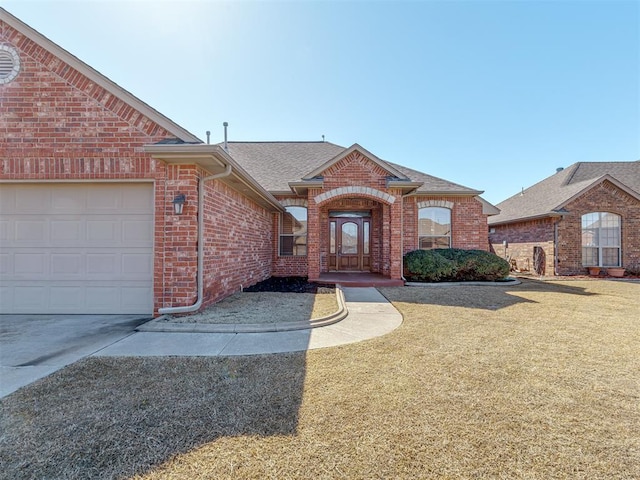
point(25, 298)
point(102, 264)
point(31, 232)
point(29, 198)
point(136, 201)
point(137, 265)
point(137, 231)
point(69, 200)
point(5, 231)
point(30, 264)
point(67, 264)
point(103, 199)
point(66, 232)
point(133, 297)
point(63, 258)
point(6, 264)
point(103, 297)
point(102, 232)
point(61, 297)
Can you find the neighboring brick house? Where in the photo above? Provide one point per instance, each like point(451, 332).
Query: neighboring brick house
point(585, 215)
point(89, 176)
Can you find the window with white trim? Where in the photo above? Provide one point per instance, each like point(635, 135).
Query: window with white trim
point(293, 232)
point(434, 228)
point(601, 239)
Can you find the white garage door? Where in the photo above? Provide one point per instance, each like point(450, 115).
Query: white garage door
point(76, 248)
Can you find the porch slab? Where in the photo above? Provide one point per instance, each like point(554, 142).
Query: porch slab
point(358, 279)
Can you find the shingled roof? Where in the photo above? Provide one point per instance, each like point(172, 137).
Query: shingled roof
point(548, 197)
point(275, 164)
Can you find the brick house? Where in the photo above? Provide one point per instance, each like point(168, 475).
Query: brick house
point(91, 178)
point(585, 215)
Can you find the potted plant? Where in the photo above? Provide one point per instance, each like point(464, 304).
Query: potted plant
point(594, 271)
point(617, 272)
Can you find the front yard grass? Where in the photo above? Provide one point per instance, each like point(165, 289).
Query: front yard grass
point(535, 381)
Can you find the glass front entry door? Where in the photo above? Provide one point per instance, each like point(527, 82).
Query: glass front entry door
point(349, 244)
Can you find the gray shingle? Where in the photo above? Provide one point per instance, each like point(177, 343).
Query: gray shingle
point(551, 193)
point(275, 164)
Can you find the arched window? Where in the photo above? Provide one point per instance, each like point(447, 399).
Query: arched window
point(293, 231)
point(601, 239)
point(434, 228)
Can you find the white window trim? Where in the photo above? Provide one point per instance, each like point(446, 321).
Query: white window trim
point(435, 204)
point(599, 247)
point(280, 234)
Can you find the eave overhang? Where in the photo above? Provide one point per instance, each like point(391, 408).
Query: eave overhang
point(552, 214)
point(214, 160)
point(446, 193)
point(406, 186)
point(302, 187)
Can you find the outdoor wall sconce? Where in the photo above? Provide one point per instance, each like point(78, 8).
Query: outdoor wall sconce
point(178, 203)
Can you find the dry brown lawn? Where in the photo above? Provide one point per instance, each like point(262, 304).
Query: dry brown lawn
point(537, 381)
point(265, 307)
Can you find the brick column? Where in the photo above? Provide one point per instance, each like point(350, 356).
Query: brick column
point(313, 235)
point(395, 252)
point(181, 238)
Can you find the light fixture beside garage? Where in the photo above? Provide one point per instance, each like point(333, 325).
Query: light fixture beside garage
point(178, 203)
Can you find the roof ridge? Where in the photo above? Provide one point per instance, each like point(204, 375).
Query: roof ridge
point(572, 170)
point(282, 141)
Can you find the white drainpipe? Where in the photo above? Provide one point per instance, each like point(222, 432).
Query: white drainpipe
point(402, 237)
point(196, 306)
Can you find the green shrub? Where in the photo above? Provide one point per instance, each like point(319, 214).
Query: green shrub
point(427, 266)
point(454, 265)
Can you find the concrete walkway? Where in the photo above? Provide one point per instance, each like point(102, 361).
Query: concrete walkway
point(370, 315)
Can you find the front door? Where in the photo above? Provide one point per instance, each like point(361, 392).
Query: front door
point(349, 243)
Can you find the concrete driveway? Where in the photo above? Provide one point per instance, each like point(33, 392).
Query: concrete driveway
point(34, 346)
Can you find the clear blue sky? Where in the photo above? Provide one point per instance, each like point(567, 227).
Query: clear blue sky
point(493, 95)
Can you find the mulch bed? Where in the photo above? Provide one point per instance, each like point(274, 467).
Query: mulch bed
point(286, 285)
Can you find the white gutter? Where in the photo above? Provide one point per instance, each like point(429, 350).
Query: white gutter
point(196, 306)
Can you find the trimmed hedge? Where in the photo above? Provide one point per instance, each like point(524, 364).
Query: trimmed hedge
point(454, 265)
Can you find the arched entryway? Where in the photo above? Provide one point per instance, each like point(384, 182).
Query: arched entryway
point(349, 241)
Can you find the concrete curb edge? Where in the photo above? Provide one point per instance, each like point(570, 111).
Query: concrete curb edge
point(159, 325)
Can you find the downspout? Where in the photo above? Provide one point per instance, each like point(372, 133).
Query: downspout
point(196, 306)
point(402, 238)
point(555, 247)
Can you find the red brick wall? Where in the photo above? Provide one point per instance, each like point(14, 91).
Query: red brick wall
point(605, 197)
point(521, 239)
point(56, 124)
point(238, 242)
point(286, 266)
point(388, 243)
point(356, 170)
point(468, 224)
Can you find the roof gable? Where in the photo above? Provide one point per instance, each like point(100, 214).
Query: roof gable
point(548, 197)
point(93, 76)
point(278, 166)
point(317, 172)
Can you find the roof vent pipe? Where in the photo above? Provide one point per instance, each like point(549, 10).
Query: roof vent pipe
point(208, 137)
point(225, 125)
